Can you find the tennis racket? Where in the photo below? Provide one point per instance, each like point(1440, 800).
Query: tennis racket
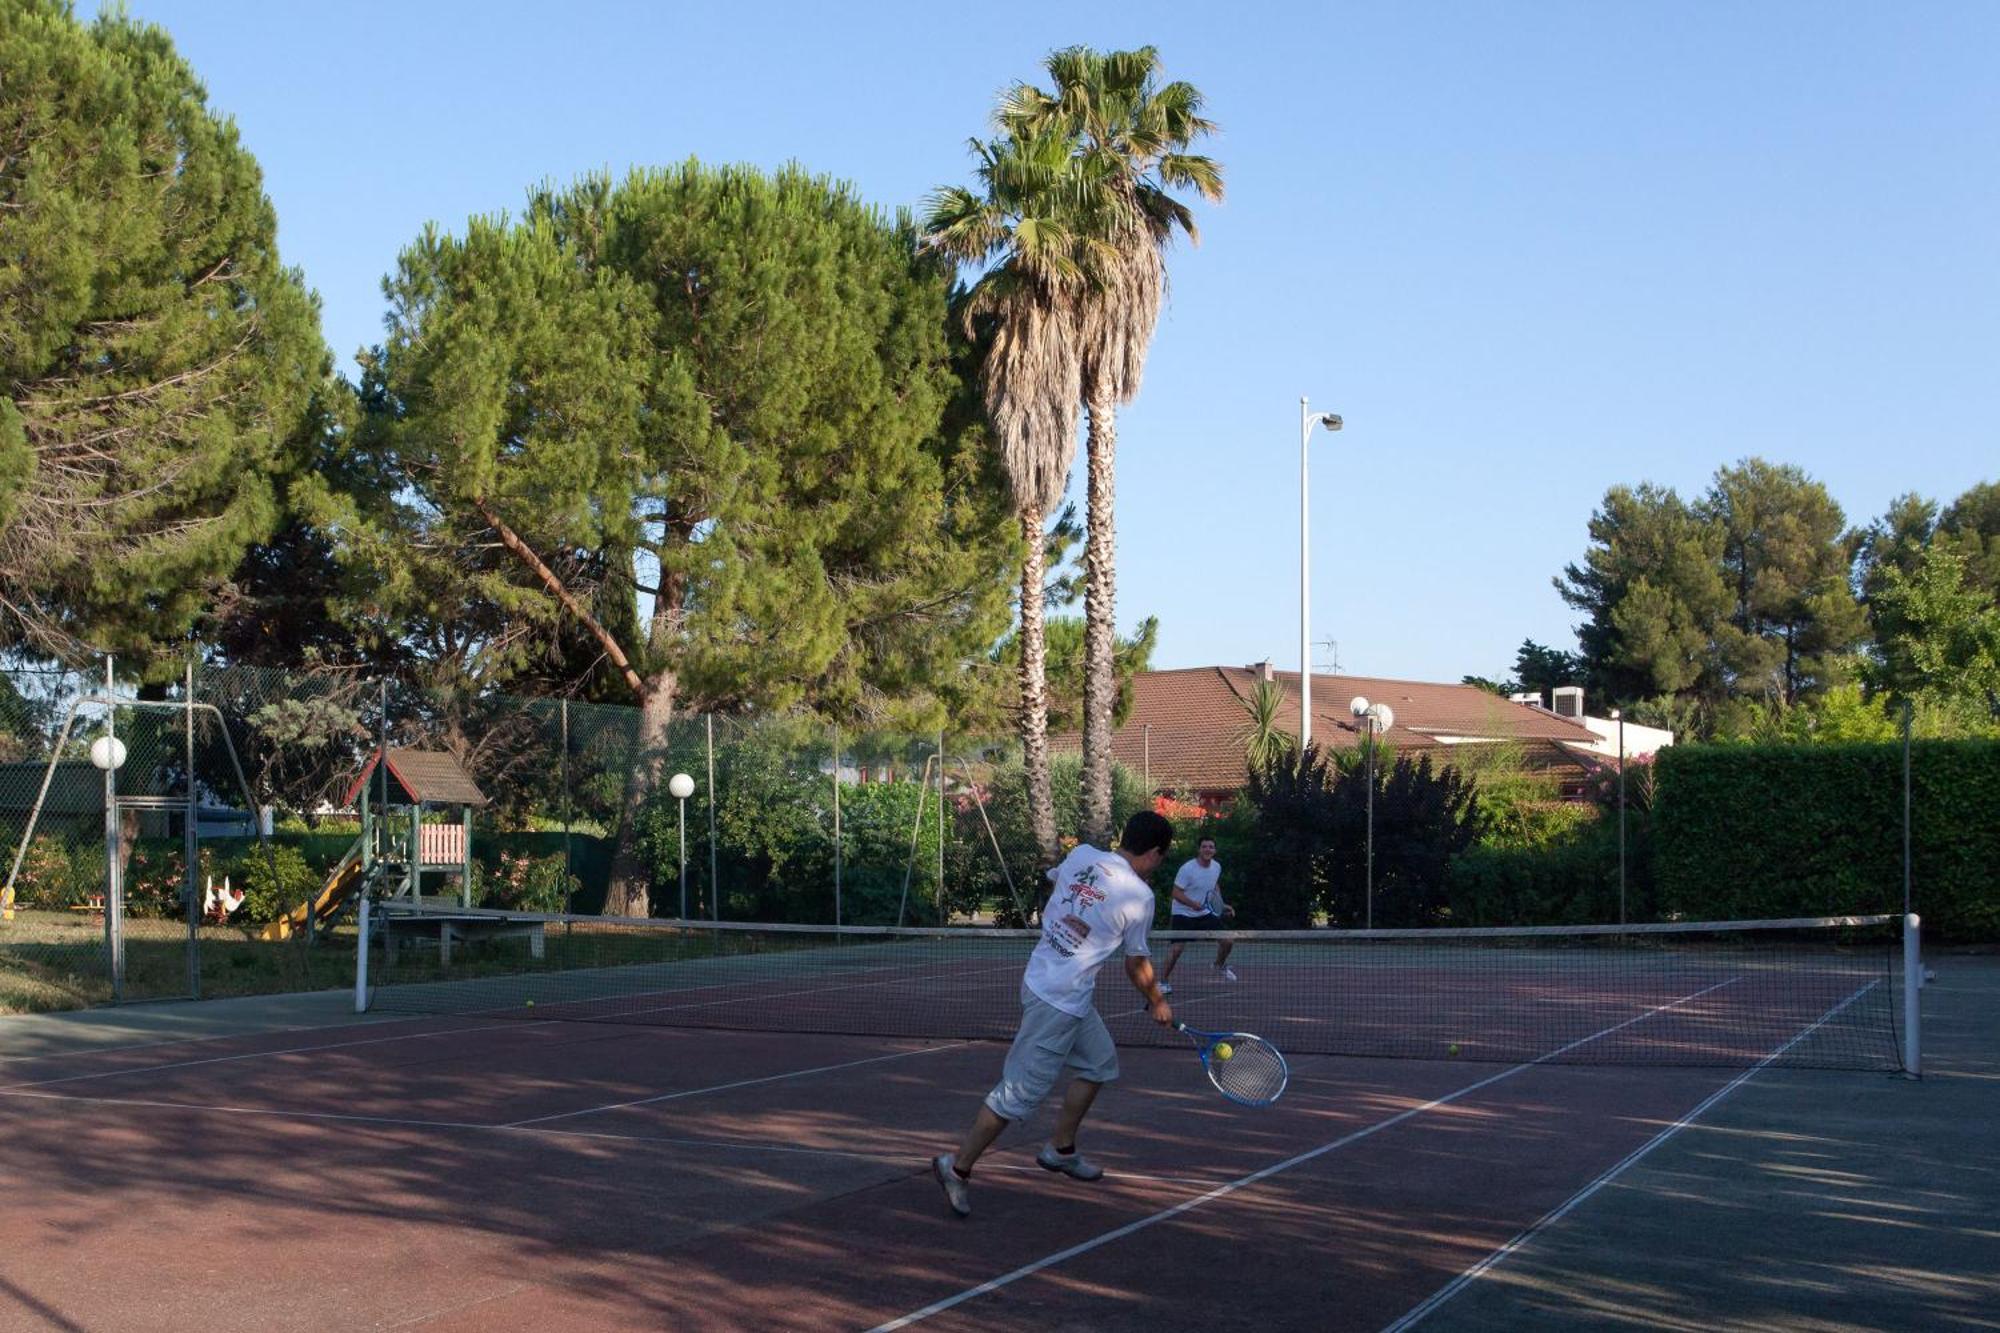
point(1252, 1073)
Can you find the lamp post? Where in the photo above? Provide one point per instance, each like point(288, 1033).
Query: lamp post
point(680, 786)
point(107, 752)
point(1374, 718)
point(1330, 420)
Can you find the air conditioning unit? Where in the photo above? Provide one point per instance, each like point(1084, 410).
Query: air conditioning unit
point(1532, 698)
point(1567, 701)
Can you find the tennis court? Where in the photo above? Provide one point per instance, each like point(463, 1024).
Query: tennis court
point(573, 1163)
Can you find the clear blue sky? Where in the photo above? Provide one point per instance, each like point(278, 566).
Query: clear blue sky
point(1528, 250)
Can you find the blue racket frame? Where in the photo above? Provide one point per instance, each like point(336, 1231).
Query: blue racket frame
point(1205, 1043)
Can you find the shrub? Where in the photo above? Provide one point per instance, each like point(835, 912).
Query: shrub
point(272, 884)
point(59, 872)
point(525, 883)
point(1787, 830)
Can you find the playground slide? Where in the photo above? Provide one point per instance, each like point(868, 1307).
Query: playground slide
point(331, 898)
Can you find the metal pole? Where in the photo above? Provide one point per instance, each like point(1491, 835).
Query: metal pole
point(382, 764)
point(569, 856)
point(684, 858)
point(715, 881)
point(1913, 972)
point(361, 961)
point(941, 827)
point(1146, 737)
point(1907, 711)
point(1620, 715)
point(1305, 588)
point(114, 895)
point(1368, 918)
point(191, 850)
point(837, 850)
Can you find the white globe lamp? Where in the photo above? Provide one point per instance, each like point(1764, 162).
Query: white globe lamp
point(108, 753)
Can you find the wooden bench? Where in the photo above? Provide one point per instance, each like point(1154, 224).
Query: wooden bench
point(95, 906)
point(449, 929)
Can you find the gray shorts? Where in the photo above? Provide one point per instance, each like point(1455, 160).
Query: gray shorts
point(1049, 1042)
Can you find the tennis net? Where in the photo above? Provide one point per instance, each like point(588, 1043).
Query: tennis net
point(1819, 992)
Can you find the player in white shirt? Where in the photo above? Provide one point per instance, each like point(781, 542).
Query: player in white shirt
point(1198, 905)
point(1101, 905)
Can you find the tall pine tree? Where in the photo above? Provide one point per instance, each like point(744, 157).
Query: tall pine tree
point(156, 358)
point(701, 412)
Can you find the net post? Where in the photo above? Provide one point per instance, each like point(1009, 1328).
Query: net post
point(361, 960)
point(1913, 984)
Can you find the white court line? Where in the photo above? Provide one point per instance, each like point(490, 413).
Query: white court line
point(257, 1055)
point(587, 999)
point(903, 978)
point(1429, 1305)
point(1222, 1191)
point(725, 1087)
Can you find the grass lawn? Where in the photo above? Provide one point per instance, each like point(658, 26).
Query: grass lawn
point(55, 960)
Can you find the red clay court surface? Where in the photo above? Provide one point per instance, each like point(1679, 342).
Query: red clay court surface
point(469, 1174)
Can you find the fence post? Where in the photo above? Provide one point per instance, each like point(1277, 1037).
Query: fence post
point(714, 883)
point(1619, 713)
point(941, 829)
point(1913, 986)
point(114, 890)
point(191, 849)
point(1907, 710)
point(569, 859)
point(837, 849)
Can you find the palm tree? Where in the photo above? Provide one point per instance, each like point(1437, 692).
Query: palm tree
point(1265, 740)
point(1033, 224)
point(1131, 136)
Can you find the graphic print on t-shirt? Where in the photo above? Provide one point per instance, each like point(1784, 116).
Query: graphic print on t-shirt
point(1066, 931)
point(1097, 907)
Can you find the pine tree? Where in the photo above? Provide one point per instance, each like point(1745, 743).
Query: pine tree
point(700, 414)
point(155, 355)
point(1786, 559)
point(1652, 591)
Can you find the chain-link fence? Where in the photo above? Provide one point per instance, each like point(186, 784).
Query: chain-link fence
point(248, 813)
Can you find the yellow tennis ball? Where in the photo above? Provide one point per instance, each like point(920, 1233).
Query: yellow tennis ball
point(1223, 1050)
point(531, 1004)
point(1453, 1049)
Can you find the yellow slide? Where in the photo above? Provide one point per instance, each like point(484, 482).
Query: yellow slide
point(332, 897)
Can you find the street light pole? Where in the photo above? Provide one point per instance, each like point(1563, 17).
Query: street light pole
point(680, 787)
point(1332, 422)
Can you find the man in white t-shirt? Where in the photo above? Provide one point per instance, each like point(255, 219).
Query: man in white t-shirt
point(1198, 905)
point(1101, 905)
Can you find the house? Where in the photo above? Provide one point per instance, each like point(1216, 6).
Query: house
point(1185, 731)
point(1632, 741)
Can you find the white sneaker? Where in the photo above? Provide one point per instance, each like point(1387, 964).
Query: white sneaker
point(1165, 989)
point(1070, 1164)
point(944, 1167)
point(1225, 973)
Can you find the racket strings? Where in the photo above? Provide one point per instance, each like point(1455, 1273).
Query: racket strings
point(1255, 1073)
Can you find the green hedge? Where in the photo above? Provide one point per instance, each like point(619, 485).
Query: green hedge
point(1782, 830)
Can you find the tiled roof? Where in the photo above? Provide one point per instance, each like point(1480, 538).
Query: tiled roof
point(430, 776)
point(1186, 727)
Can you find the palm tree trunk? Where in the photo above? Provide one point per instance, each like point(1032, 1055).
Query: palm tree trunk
point(1034, 688)
point(1100, 676)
